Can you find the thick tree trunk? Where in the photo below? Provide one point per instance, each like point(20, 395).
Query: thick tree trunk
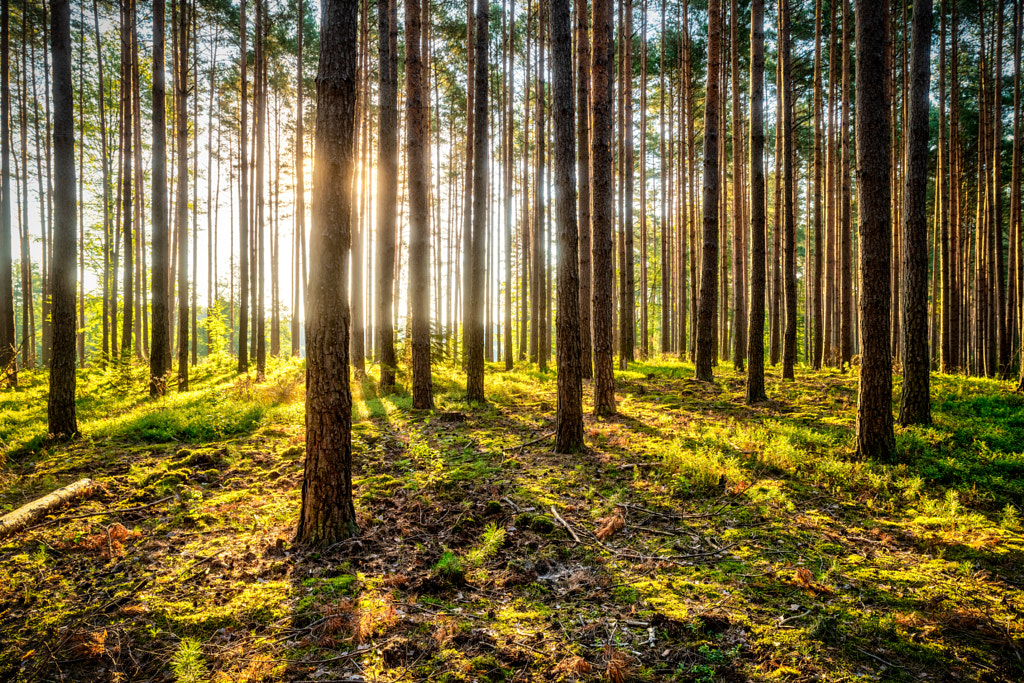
point(755, 336)
point(481, 183)
point(61, 416)
point(243, 206)
point(789, 340)
point(181, 122)
point(601, 213)
point(709, 258)
point(419, 218)
point(327, 514)
point(569, 415)
point(387, 190)
point(8, 345)
point(914, 404)
point(875, 439)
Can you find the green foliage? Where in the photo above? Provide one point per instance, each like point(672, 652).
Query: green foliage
point(491, 541)
point(188, 663)
point(449, 566)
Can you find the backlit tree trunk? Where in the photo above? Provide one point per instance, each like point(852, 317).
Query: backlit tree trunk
point(481, 184)
point(755, 335)
point(327, 514)
point(875, 439)
point(387, 189)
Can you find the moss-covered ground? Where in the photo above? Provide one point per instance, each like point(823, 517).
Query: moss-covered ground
point(716, 541)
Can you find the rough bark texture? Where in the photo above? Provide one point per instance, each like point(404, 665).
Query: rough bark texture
point(875, 437)
point(914, 404)
point(569, 415)
point(709, 257)
point(601, 212)
point(846, 218)
point(243, 206)
point(327, 514)
point(789, 173)
point(419, 219)
point(61, 402)
point(755, 333)
point(817, 310)
point(160, 354)
point(387, 190)
point(8, 350)
point(181, 123)
point(475, 258)
point(583, 164)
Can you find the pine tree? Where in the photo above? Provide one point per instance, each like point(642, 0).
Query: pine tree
point(755, 335)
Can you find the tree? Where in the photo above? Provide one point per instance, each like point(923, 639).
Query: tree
point(327, 514)
point(181, 122)
point(475, 256)
point(387, 190)
point(569, 417)
point(8, 349)
point(755, 334)
point(875, 438)
point(789, 173)
point(818, 344)
point(583, 164)
point(419, 219)
point(601, 211)
point(160, 354)
point(243, 206)
point(61, 401)
point(914, 404)
point(709, 256)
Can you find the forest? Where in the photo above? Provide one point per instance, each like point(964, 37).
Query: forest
point(566, 340)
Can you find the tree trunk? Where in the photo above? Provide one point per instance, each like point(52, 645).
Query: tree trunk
point(755, 335)
point(739, 303)
point(160, 353)
point(387, 190)
point(817, 307)
point(243, 208)
point(127, 175)
point(475, 259)
point(601, 214)
point(846, 318)
point(914, 405)
point(569, 416)
point(709, 256)
point(327, 514)
point(775, 319)
point(789, 341)
point(181, 122)
point(8, 345)
point(419, 220)
point(62, 421)
point(875, 439)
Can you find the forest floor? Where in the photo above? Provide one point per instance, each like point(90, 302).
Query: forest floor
point(698, 539)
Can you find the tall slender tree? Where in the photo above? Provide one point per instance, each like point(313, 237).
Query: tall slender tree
point(419, 218)
point(709, 256)
point(181, 124)
point(601, 211)
point(8, 348)
point(583, 165)
point(789, 173)
point(387, 189)
point(476, 254)
point(61, 414)
point(160, 353)
point(875, 438)
point(755, 334)
point(243, 205)
point(914, 403)
point(327, 514)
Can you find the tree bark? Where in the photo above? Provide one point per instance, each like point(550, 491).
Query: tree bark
point(419, 219)
point(387, 190)
point(601, 213)
point(327, 514)
point(62, 421)
point(789, 171)
point(709, 257)
point(755, 335)
point(481, 183)
point(243, 208)
point(569, 414)
point(583, 173)
point(181, 122)
point(875, 439)
point(8, 345)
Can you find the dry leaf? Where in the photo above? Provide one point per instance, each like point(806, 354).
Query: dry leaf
point(609, 526)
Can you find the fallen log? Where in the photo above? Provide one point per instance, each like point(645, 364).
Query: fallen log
point(30, 513)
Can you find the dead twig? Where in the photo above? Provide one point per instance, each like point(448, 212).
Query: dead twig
point(529, 443)
point(68, 518)
point(565, 524)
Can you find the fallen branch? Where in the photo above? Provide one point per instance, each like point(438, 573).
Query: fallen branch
point(530, 443)
point(565, 524)
point(30, 513)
